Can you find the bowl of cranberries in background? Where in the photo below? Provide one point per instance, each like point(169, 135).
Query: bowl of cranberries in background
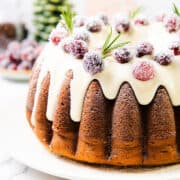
point(17, 61)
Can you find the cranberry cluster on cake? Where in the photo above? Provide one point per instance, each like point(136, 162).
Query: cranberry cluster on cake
point(107, 91)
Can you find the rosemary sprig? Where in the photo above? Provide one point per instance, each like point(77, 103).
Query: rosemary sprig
point(110, 44)
point(135, 12)
point(176, 10)
point(67, 16)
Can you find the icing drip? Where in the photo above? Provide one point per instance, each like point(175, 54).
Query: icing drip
point(114, 75)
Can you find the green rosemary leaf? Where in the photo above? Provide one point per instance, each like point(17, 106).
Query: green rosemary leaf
point(110, 45)
point(67, 16)
point(107, 40)
point(135, 12)
point(176, 10)
point(113, 41)
point(119, 45)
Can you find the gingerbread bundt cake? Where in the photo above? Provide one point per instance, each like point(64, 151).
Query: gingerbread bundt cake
point(109, 94)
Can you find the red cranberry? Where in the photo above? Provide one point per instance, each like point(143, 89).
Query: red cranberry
point(57, 35)
point(143, 49)
point(143, 71)
point(66, 44)
point(104, 18)
point(175, 47)
point(28, 54)
point(79, 21)
point(78, 48)
point(93, 63)
point(81, 34)
point(164, 58)
point(25, 65)
point(29, 42)
point(2, 57)
point(160, 17)
point(122, 55)
point(122, 25)
point(5, 63)
point(12, 66)
point(141, 20)
point(94, 24)
point(172, 23)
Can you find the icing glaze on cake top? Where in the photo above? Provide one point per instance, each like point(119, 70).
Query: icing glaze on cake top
point(145, 73)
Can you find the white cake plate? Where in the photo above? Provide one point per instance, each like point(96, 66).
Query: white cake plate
point(27, 149)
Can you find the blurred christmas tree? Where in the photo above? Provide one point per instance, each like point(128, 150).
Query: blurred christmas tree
point(47, 15)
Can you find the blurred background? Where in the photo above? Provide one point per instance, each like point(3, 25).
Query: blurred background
point(24, 29)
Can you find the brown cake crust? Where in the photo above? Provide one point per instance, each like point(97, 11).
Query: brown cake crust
point(119, 132)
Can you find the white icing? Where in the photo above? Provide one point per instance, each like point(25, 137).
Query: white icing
point(57, 63)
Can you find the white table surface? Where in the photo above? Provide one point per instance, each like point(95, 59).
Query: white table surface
point(10, 169)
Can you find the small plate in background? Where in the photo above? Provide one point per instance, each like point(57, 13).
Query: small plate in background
point(23, 75)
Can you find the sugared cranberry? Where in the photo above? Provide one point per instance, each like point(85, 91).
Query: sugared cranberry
point(160, 17)
point(79, 21)
point(81, 34)
point(104, 18)
point(57, 35)
point(93, 62)
point(2, 56)
point(5, 63)
point(172, 23)
point(66, 44)
point(141, 20)
point(122, 25)
point(122, 55)
point(13, 46)
point(25, 65)
point(94, 24)
point(175, 47)
point(78, 48)
point(164, 58)
point(143, 49)
point(143, 71)
point(28, 54)
point(29, 42)
point(12, 66)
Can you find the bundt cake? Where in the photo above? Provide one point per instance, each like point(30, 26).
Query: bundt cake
point(108, 92)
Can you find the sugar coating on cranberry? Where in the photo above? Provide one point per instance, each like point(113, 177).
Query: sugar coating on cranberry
point(57, 35)
point(66, 44)
point(28, 54)
point(94, 24)
point(144, 48)
point(93, 63)
point(78, 48)
point(12, 66)
point(172, 23)
point(160, 17)
point(163, 58)
point(143, 71)
point(13, 51)
point(81, 34)
point(24, 65)
point(122, 55)
point(122, 24)
point(29, 42)
point(175, 47)
point(141, 20)
point(79, 21)
point(104, 18)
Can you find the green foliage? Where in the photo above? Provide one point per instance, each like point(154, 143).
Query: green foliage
point(135, 12)
point(67, 16)
point(111, 44)
point(176, 10)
